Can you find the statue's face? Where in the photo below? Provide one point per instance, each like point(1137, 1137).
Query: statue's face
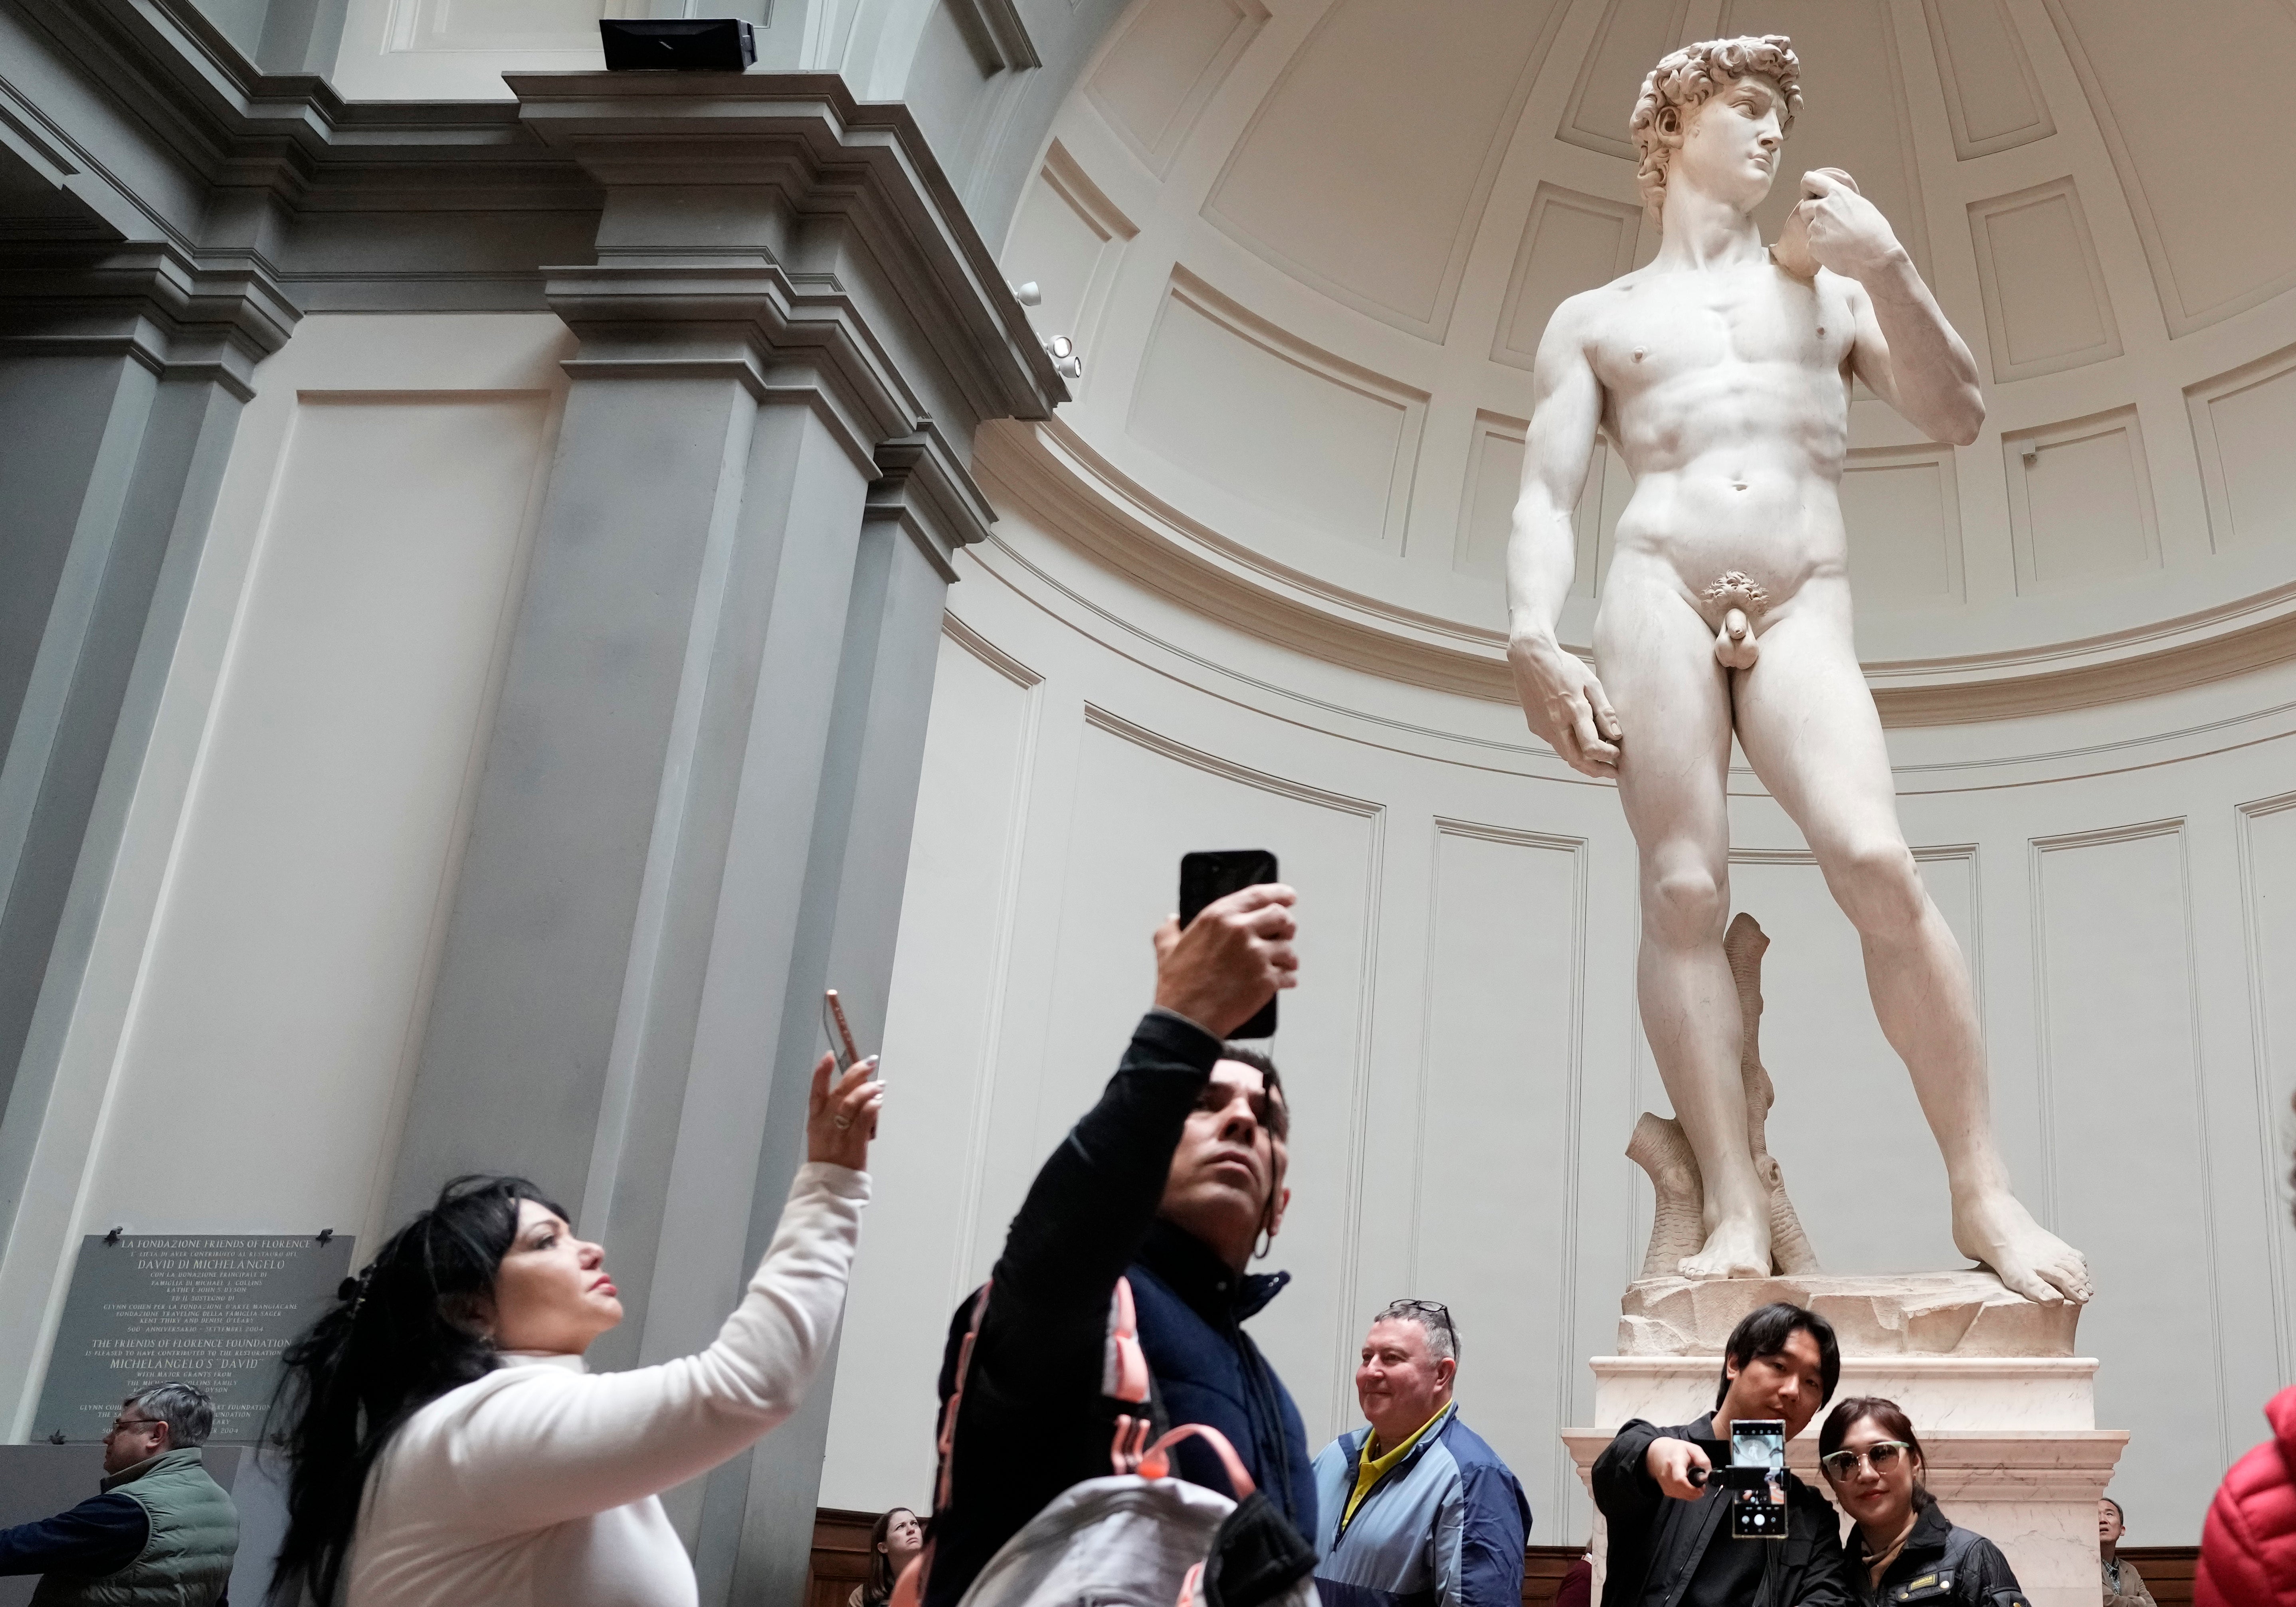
point(1730, 143)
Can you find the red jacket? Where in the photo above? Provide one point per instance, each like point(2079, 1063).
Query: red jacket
point(2248, 1547)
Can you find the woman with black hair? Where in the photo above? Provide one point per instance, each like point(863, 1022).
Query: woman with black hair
point(1904, 1548)
point(447, 1448)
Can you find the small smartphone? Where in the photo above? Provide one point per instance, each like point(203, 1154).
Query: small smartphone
point(1758, 1445)
point(840, 1032)
point(1213, 874)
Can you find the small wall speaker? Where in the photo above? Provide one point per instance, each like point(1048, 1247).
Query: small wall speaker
point(685, 44)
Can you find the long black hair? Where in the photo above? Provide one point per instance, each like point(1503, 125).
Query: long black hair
point(402, 1334)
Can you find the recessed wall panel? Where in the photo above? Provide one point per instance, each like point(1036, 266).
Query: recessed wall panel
point(2244, 427)
point(1498, 1143)
point(2080, 500)
point(291, 953)
point(2045, 304)
point(1902, 511)
point(1367, 167)
point(2124, 1125)
point(1275, 422)
point(1992, 102)
point(1159, 74)
point(942, 1047)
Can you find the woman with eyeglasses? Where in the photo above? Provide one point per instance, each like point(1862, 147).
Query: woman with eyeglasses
point(1872, 1461)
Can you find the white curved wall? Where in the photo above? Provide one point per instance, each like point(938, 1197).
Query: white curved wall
point(1464, 1048)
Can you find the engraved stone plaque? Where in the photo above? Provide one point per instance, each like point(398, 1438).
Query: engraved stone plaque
point(213, 1311)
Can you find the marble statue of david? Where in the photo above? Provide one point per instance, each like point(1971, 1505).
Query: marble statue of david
point(1721, 373)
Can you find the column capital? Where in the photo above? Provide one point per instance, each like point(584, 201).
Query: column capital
point(931, 495)
point(788, 171)
point(178, 315)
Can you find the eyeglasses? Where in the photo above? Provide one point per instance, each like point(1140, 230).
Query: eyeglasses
point(120, 1425)
point(1881, 1456)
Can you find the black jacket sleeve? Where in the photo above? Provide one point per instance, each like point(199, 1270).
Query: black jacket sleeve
point(1623, 1487)
point(102, 1535)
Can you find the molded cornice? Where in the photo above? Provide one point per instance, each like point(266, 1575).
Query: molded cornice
point(794, 151)
point(1050, 472)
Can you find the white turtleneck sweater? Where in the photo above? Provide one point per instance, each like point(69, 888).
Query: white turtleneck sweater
point(539, 1485)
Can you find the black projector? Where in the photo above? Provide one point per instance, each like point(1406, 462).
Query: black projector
point(689, 44)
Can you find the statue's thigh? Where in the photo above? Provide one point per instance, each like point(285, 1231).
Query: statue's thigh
point(1656, 661)
point(1810, 731)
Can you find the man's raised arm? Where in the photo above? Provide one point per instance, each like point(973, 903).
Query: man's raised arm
point(1906, 351)
point(1561, 697)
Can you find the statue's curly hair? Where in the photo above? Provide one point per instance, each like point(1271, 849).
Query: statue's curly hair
point(1686, 78)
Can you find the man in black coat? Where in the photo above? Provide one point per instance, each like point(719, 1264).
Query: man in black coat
point(1168, 1183)
point(1669, 1532)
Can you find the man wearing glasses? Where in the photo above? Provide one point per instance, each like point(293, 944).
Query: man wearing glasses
point(1671, 1543)
point(1415, 1508)
point(161, 1530)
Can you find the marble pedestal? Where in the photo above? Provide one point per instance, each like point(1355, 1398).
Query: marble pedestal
point(2012, 1445)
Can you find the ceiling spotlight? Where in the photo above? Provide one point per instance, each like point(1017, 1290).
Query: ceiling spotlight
point(1066, 363)
point(1028, 295)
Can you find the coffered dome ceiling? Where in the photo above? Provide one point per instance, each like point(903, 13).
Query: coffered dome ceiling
point(1306, 249)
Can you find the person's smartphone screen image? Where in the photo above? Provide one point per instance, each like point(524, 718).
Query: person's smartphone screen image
point(1214, 875)
point(1760, 1513)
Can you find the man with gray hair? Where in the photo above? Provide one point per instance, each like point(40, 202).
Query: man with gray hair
point(1415, 1508)
point(161, 1532)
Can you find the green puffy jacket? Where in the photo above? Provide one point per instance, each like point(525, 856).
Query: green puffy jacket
point(186, 1561)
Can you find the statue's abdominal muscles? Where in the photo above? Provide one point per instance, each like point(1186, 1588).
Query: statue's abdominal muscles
point(1735, 428)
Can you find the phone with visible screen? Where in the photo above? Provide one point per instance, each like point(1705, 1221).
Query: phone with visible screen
point(1759, 1513)
point(1213, 874)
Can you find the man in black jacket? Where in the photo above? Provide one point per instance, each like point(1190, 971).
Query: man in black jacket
point(1669, 1538)
point(1168, 1183)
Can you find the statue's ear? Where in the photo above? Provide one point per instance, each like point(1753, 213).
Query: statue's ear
point(1669, 124)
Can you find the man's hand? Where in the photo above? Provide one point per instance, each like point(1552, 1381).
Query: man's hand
point(1845, 231)
point(841, 1120)
point(1670, 1461)
point(1565, 705)
point(1230, 961)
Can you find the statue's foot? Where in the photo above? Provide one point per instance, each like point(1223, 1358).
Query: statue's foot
point(1996, 1230)
point(1738, 1247)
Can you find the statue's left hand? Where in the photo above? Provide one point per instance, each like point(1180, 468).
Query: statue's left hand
point(1845, 231)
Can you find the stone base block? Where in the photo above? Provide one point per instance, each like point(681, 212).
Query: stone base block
point(1914, 1314)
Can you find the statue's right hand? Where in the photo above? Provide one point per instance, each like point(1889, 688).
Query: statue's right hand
point(1565, 705)
point(1671, 1462)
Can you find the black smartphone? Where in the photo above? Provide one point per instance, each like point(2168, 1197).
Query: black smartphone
point(1214, 875)
point(1758, 1445)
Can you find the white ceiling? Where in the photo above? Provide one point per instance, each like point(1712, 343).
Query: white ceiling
point(1307, 246)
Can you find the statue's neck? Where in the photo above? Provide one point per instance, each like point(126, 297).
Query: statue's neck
point(1702, 231)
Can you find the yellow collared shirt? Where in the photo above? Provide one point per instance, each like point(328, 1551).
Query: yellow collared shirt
point(1370, 1470)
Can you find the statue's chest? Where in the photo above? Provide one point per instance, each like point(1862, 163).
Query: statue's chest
point(1681, 326)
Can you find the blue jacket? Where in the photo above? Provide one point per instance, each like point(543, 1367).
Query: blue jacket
point(1192, 1307)
point(1444, 1527)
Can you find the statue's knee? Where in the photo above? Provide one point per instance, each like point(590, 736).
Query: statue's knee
point(1684, 906)
point(1880, 889)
